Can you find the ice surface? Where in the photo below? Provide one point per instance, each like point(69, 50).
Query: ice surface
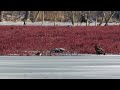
point(60, 67)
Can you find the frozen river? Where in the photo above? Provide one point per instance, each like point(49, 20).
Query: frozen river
point(60, 67)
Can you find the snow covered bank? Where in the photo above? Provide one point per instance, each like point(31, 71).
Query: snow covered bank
point(48, 23)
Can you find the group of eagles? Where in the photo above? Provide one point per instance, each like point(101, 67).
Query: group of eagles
point(97, 48)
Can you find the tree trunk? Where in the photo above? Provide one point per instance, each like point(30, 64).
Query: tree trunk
point(73, 18)
point(13, 19)
point(37, 15)
point(96, 21)
point(102, 19)
point(1, 16)
point(107, 20)
point(43, 17)
point(86, 16)
point(87, 22)
point(54, 20)
point(27, 17)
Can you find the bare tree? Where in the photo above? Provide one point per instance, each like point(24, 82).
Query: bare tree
point(54, 20)
point(65, 16)
point(27, 17)
point(101, 21)
point(73, 17)
point(96, 21)
point(86, 15)
point(110, 16)
point(1, 15)
point(36, 16)
point(84, 19)
point(55, 17)
point(43, 17)
point(106, 17)
point(70, 17)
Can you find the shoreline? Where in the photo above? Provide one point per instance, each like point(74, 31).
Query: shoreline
point(48, 23)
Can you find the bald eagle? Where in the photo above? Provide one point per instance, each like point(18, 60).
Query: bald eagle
point(99, 50)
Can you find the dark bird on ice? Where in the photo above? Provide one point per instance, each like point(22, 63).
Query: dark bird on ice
point(57, 50)
point(38, 54)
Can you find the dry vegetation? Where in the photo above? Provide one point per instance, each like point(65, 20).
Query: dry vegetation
point(29, 39)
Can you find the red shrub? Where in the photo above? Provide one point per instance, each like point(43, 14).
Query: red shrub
point(22, 39)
